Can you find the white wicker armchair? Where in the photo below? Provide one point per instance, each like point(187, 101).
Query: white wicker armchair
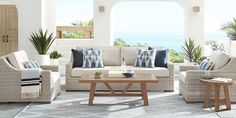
point(10, 83)
point(193, 91)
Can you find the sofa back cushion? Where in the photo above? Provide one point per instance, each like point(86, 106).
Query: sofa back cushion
point(129, 54)
point(17, 59)
point(92, 58)
point(145, 58)
point(77, 56)
point(219, 60)
point(110, 54)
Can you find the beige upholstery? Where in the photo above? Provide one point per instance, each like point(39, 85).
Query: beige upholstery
point(158, 71)
point(17, 59)
point(112, 61)
point(129, 54)
point(111, 56)
point(193, 91)
point(219, 60)
point(10, 83)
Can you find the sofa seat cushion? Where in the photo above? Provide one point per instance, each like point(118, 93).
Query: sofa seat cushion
point(55, 77)
point(182, 76)
point(157, 71)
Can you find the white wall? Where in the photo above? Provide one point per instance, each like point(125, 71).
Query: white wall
point(36, 14)
point(194, 22)
point(33, 15)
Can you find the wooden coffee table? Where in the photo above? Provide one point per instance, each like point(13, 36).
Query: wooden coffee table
point(141, 78)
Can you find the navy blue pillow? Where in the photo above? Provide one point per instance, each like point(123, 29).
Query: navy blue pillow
point(78, 58)
point(161, 57)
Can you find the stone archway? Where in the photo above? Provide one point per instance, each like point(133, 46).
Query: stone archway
point(194, 25)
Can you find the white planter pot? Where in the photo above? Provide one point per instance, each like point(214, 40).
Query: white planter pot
point(189, 63)
point(54, 62)
point(43, 59)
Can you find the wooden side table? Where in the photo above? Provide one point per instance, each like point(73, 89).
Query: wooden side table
point(217, 83)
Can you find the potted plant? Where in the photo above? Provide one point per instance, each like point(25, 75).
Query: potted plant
point(42, 41)
point(54, 56)
point(230, 29)
point(98, 74)
point(193, 54)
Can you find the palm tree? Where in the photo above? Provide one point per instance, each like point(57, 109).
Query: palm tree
point(230, 29)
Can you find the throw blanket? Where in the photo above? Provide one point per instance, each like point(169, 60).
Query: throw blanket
point(30, 83)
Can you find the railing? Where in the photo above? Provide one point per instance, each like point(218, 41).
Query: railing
point(86, 31)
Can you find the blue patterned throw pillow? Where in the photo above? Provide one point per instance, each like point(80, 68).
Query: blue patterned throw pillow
point(145, 58)
point(206, 65)
point(31, 64)
point(92, 58)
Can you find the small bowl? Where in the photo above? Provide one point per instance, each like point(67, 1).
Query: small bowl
point(128, 74)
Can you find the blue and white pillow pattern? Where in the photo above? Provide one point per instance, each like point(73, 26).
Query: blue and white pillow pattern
point(92, 58)
point(31, 64)
point(206, 65)
point(145, 58)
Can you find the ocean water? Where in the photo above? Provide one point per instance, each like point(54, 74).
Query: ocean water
point(163, 39)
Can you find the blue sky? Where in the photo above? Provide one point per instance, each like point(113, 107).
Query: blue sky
point(148, 16)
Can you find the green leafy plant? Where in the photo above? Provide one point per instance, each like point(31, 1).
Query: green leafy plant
point(42, 41)
point(98, 73)
point(55, 55)
point(188, 50)
point(191, 52)
point(230, 29)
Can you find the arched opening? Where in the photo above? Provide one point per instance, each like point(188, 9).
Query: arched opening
point(159, 24)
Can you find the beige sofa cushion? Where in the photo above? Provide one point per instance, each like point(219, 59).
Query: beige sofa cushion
point(110, 54)
point(157, 71)
point(219, 60)
point(182, 76)
point(54, 78)
point(129, 54)
point(17, 59)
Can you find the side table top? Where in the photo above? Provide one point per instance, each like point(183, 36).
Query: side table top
point(217, 80)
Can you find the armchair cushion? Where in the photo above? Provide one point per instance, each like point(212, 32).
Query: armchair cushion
point(17, 59)
point(219, 60)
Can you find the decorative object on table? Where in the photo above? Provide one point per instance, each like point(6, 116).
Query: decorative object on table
point(123, 64)
point(54, 56)
point(230, 29)
point(217, 83)
point(192, 53)
point(161, 58)
point(115, 73)
point(98, 74)
point(145, 58)
point(128, 73)
point(92, 58)
point(42, 42)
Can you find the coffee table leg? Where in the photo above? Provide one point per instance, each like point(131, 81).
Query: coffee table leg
point(92, 92)
point(144, 93)
point(227, 99)
point(217, 98)
point(207, 96)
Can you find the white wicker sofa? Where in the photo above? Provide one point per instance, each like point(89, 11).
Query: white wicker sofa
point(193, 91)
point(112, 58)
point(10, 80)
